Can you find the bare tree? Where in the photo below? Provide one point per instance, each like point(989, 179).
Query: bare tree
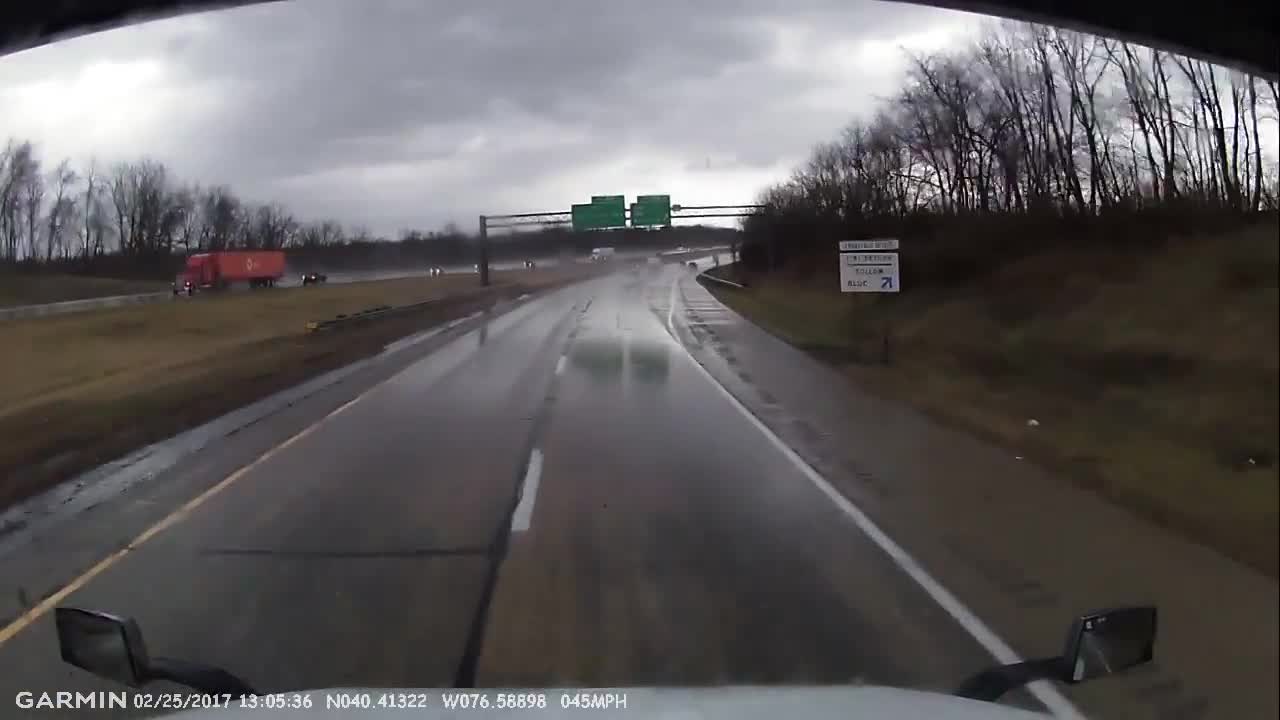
point(1255, 202)
point(62, 181)
point(1204, 84)
point(17, 165)
point(360, 234)
point(87, 207)
point(220, 210)
point(1037, 120)
point(32, 201)
point(187, 212)
point(8, 192)
point(273, 226)
point(136, 209)
point(153, 219)
point(319, 234)
point(123, 193)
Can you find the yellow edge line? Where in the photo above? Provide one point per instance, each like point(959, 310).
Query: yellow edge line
point(44, 606)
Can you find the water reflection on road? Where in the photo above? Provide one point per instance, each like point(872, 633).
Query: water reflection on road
point(610, 359)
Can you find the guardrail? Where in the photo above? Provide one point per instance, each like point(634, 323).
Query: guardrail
point(72, 306)
point(707, 274)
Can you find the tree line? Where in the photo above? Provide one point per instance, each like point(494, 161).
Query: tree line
point(139, 210)
point(136, 218)
point(1037, 121)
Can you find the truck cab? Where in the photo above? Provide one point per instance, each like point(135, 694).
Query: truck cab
point(197, 273)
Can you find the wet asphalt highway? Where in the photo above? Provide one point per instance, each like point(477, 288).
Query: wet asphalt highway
point(559, 496)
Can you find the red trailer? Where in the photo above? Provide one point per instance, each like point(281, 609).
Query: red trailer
point(218, 270)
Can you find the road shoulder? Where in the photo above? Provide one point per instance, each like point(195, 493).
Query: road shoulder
point(1025, 551)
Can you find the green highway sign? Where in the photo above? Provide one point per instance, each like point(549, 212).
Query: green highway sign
point(610, 211)
point(599, 216)
point(651, 211)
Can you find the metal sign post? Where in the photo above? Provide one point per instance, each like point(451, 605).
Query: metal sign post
point(871, 266)
point(483, 265)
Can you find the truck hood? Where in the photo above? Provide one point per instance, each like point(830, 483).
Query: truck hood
point(723, 703)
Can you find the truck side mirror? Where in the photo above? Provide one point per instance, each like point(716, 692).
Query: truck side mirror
point(106, 645)
point(1109, 641)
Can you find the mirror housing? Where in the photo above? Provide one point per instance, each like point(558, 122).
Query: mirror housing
point(106, 645)
point(1100, 643)
point(1105, 642)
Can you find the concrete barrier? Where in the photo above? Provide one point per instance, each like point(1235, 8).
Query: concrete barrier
point(73, 306)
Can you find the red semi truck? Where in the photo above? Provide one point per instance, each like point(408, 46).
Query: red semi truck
point(218, 270)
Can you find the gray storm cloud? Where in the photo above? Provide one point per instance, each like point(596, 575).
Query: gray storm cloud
point(396, 113)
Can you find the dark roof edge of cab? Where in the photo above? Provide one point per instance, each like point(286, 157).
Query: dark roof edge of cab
point(24, 25)
point(1239, 33)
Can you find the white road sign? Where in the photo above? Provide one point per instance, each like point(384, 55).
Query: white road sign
point(847, 246)
point(869, 272)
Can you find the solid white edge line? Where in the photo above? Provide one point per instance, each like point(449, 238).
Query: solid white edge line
point(560, 364)
point(1055, 701)
point(522, 518)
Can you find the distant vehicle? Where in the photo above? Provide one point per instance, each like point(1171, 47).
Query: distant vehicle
point(220, 270)
point(435, 271)
point(529, 265)
point(601, 253)
point(1098, 644)
point(314, 278)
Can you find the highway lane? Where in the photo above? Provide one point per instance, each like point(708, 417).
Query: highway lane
point(670, 544)
point(355, 554)
point(658, 538)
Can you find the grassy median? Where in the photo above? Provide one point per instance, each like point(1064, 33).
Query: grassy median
point(1151, 375)
point(82, 389)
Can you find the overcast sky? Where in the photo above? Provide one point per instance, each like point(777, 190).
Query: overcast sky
point(412, 113)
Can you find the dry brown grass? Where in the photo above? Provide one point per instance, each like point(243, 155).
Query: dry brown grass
point(53, 358)
point(82, 389)
point(1153, 375)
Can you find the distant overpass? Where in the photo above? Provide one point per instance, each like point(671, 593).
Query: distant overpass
point(1240, 33)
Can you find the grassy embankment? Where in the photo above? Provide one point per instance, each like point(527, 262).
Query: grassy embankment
point(38, 288)
point(1152, 374)
point(81, 389)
